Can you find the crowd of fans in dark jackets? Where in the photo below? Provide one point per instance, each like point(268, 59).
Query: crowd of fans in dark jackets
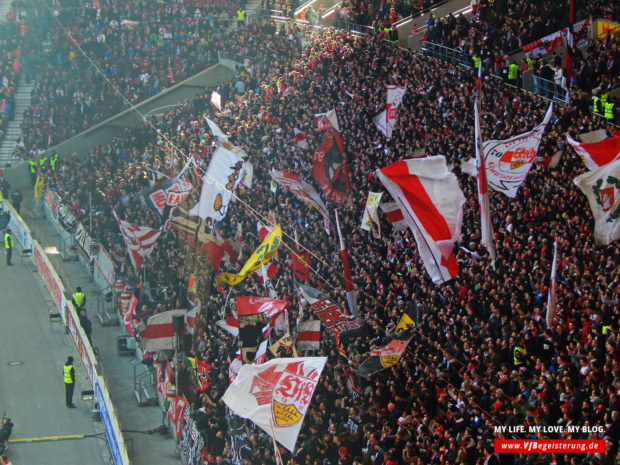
point(461, 374)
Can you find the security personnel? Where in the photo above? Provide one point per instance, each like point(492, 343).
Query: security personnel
point(32, 165)
point(79, 300)
point(605, 328)
point(476, 60)
point(54, 161)
point(68, 373)
point(596, 107)
point(518, 356)
point(240, 16)
point(8, 245)
point(513, 73)
point(530, 63)
point(43, 164)
point(609, 110)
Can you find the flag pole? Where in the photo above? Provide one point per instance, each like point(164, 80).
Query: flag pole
point(276, 452)
point(348, 281)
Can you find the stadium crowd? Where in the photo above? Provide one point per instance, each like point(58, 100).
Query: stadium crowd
point(482, 355)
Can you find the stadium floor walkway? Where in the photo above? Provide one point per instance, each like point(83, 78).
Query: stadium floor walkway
point(144, 446)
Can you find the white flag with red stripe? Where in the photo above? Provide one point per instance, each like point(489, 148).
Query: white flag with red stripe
point(230, 325)
point(300, 138)
point(392, 212)
point(386, 120)
point(552, 283)
point(190, 319)
point(595, 148)
point(486, 226)
point(309, 335)
point(158, 334)
point(140, 241)
point(431, 201)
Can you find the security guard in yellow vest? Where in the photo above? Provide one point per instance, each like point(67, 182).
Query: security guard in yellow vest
point(513, 73)
point(518, 356)
point(43, 164)
point(32, 165)
point(53, 161)
point(8, 245)
point(240, 16)
point(596, 104)
point(79, 300)
point(68, 373)
point(609, 110)
point(476, 60)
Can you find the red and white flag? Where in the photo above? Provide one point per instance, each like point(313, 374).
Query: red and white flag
point(127, 308)
point(276, 395)
point(309, 335)
point(346, 270)
point(431, 201)
point(190, 319)
point(392, 212)
point(595, 148)
point(508, 161)
point(602, 188)
point(326, 120)
point(300, 138)
point(140, 241)
point(158, 334)
point(230, 325)
point(486, 225)
point(552, 283)
point(386, 120)
point(175, 412)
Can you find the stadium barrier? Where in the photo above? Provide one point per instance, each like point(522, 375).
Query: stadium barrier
point(70, 320)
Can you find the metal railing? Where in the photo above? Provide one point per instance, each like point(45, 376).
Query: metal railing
point(448, 55)
point(549, 90)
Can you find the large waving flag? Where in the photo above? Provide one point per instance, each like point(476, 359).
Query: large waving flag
point(224, 173)
point(217, 132)
point(595, 148)
point(508, 161)
point(392, 212)
point(276, 395)
point(302, 190)
point(261, 255)
point(158, 334)
point(128, 303)
point(431, 201)
point(386, 120)
point(140, 241)
point(602, 188)
point(330, 167)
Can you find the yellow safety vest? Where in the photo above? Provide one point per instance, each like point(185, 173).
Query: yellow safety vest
point(595, 107)
point(1, 198)
point(514, 353)
point(609, 110)
point(476, 61)
point(78, 297)
point(53, 161)
point(240, 15)
point(604, 98)
point(67, 374)
point(8, 241)
point(43, 161)
point(605, 329)
point(33, 166)
point(512, 71)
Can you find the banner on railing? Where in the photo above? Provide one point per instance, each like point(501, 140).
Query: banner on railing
point(72, 325)
point(85, 245)
point(108, 425)
point(191, 442)
point(545, 45)
point(105, 265)
point(49, 276)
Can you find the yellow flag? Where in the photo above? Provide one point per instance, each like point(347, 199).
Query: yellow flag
point(38, 187)
point(261, 255)
point(284, 347)
point(405, 323)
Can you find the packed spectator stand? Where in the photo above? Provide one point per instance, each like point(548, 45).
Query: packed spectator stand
point(460, 377)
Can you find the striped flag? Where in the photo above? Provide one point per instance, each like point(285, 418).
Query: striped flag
point(140, 241)
point(552, 282)
point(346, 269)
point(309, 335)
point(300, 138)
point(158, 334)
point(431, 201)
point(392, 212)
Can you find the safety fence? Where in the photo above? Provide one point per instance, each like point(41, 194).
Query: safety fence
point(66, 312)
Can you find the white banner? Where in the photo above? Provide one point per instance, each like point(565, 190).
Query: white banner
point(508, 161)
point(105, 266)
point(276, 395)
point(370, 213)
point(222, 177)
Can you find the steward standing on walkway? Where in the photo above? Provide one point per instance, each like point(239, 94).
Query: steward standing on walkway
point(79, 300)
point(8, 245)
point(68, 373)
